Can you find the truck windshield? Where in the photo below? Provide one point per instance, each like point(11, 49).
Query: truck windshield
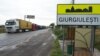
point(10, 23)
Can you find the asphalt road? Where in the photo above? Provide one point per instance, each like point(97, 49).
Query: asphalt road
point(37, 43)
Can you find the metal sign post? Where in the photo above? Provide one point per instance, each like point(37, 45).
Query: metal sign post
point(92, 40)
point(24, 17)
point(63, 40)
point(74, 33)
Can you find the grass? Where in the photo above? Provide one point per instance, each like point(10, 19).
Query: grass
point(2, 30)
point(56, 50)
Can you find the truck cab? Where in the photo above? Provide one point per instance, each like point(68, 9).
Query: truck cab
point(11, 25)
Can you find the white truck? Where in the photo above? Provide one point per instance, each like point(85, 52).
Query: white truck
point(17, 25)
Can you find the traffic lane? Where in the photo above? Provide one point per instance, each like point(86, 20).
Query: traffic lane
point(41, 47)
point(37, 46)
point(17, 38)
point(45, 48)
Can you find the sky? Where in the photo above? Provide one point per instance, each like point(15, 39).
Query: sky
point(43, 10)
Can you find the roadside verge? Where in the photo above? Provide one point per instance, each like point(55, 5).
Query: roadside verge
point(56, 50)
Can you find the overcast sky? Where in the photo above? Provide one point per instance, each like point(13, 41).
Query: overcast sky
point(44, 10)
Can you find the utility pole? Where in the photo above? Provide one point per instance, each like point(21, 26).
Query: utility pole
point(73, 1)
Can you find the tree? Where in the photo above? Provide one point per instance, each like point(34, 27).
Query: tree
point(52, 25)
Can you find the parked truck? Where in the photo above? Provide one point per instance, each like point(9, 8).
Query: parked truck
point(17, 25)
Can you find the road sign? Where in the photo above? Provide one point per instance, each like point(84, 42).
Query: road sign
point(78, 20)
point(78, 14)
point(30, 16)
point(78, 9)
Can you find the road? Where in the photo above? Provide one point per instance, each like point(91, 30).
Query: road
point(37, 43)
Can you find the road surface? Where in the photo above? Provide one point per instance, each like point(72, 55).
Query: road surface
point(37, 43)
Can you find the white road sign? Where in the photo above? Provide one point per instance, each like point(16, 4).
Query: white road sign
point(78, 19)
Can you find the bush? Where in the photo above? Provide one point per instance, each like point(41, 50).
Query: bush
point(59, 33)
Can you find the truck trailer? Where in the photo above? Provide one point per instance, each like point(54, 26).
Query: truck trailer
point(34, 27)
point(17, 25)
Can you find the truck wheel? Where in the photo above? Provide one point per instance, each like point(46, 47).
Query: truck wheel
point(8, 32)
point(23, 30)
point(17, 30)
point(20, 30)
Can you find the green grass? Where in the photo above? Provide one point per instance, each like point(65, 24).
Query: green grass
point(56, 50)
point(2, 30)
point(97, 42)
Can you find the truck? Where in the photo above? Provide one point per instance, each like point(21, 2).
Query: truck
point(34, 27)
point(17, 25)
